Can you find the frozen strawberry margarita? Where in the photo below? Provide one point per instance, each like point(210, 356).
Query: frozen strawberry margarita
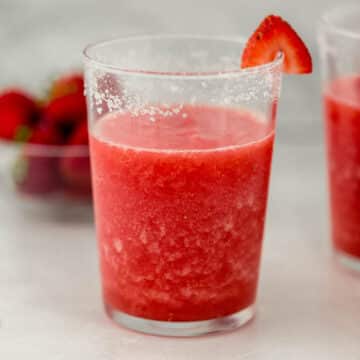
point(181, 183)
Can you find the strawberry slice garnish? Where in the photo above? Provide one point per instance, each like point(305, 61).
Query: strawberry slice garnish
point(275, 35)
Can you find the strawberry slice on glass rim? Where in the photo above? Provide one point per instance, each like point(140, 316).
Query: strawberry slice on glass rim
point(275, 35)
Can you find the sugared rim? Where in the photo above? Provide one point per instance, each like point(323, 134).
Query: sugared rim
point(89, 59)
point(329, 17)
point(49, 150)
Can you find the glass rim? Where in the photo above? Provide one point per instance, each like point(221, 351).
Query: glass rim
point(328, 19)
point(91, 60)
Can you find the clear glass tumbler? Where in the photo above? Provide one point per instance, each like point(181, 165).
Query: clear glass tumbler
point(181, 142)
point(339, 41)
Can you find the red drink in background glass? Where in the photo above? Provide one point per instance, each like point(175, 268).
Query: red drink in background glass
point(180, 230)
point(342, 121)
point(339, 45)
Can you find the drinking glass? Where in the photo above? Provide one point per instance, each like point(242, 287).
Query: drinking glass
point(181, 143)
point(339, 41)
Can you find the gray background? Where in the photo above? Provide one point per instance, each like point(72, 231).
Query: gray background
point(39, 38)
point(50, 306)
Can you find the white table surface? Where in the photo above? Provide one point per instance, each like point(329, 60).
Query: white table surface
point(308, 307)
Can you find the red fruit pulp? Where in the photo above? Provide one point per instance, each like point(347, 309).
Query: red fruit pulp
point(180, 230)
point(342, 121)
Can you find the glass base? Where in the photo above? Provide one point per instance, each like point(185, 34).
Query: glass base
point(181, 328)
point(348, 261)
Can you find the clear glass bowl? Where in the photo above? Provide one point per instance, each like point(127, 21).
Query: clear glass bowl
point(46, 179)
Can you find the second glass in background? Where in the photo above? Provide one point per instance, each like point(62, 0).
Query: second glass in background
point(339, 40)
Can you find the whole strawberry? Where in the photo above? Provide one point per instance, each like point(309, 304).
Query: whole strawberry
point(65, 113)
point(16, 109)
point(72, 83)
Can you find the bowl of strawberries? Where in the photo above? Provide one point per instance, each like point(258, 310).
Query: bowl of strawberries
point(44, 152)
